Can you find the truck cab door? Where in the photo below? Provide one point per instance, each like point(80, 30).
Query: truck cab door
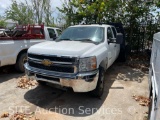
point(111, 47)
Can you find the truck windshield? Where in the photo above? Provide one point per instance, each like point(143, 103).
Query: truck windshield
point(93, 34)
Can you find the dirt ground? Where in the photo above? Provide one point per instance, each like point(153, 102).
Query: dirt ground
point(49, 103)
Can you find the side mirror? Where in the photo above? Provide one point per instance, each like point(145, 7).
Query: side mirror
point(54, 36)
point(119, 38)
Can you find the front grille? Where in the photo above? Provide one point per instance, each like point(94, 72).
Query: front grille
point(63, 69)
point(52, 58)
point(60, 64)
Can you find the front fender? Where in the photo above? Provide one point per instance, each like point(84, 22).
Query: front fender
point(102, 58)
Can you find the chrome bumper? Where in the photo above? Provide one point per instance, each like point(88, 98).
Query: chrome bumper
point(80, 82)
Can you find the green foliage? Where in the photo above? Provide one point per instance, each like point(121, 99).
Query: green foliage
point(96, 11)
point(2, 23)
point(132, 13)
point(20, 12)
point(158, 4)
point(35, 11)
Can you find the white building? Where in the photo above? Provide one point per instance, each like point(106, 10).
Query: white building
point(10, 23)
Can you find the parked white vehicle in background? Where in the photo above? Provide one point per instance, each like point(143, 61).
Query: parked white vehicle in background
point(154, 79)
point(77, 59)
point(2, 30)
point(13, 49)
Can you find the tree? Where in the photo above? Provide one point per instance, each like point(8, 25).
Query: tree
point(20, 12)
point(132, 13)
point(35, 11)
point(42, 11)
point(68, 11)
point(2, 23)
point(158, 4)
point(90, 11)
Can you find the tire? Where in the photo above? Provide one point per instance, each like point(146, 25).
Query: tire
point(21, 60)
point(100, 84)
point(42, 83)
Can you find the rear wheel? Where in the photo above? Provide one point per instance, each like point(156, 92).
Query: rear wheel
point(21, 60)
point(100, 84)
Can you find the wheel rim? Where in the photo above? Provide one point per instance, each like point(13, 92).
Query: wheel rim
point(23, 62)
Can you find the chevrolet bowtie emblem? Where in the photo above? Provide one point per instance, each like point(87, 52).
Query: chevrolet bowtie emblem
point(46, 62)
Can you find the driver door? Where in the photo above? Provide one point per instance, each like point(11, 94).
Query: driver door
point(111, 47)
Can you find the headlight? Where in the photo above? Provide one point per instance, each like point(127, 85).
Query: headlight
point(87, 64)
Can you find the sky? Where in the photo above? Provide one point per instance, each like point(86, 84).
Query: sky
point(4, 4)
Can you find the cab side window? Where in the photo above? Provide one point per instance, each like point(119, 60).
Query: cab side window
point(59, 32)
point(51, 32)
point(109, 33)
point(114, 32)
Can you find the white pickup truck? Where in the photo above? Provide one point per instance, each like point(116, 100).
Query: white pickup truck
point(13, 49)
point(77, 59)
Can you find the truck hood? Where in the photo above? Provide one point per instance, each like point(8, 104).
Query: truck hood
point(62, 48)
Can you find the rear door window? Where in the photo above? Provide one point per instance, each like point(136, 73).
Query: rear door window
point(109, 33)
point(114, 32)
point(59, 32)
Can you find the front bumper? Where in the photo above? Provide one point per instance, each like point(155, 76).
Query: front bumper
point(79, 82)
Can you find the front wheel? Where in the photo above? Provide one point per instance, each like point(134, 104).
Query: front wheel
point(21, 60)
point(100, 84)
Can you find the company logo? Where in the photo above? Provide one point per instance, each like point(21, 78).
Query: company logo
point(46, 62)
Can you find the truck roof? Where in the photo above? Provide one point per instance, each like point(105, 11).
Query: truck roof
point(90, 25)
point(2, 29)
point(51, 27)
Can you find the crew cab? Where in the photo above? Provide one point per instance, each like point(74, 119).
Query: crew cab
point(13, 48)
point(77, 59)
